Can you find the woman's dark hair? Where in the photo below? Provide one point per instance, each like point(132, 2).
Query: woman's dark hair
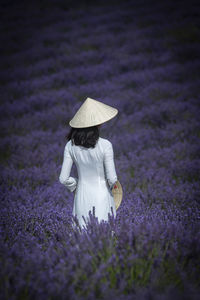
point(86, 137)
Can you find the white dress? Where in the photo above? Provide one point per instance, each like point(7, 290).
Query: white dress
point(96, 177)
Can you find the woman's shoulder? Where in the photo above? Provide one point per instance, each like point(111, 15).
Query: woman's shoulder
point(68, 145)
point(106, 143)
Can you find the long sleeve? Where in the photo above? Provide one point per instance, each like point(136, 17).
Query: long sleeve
point(110, 165)
point(64, 178)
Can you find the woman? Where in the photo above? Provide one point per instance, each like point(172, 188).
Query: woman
point(94, 159)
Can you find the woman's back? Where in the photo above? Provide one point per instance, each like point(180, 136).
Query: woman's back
point(92, 163)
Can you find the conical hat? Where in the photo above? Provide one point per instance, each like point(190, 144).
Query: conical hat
point(92, 113)
point(117, 194)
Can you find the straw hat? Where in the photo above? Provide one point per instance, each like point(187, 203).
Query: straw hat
point(92, 113)
point(117, 194)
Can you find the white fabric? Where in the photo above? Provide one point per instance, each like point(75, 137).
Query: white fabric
point(96, 176)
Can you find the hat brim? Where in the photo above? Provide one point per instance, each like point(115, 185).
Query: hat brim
point(91, 124)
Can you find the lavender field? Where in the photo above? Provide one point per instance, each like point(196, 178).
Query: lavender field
point(141, 57)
